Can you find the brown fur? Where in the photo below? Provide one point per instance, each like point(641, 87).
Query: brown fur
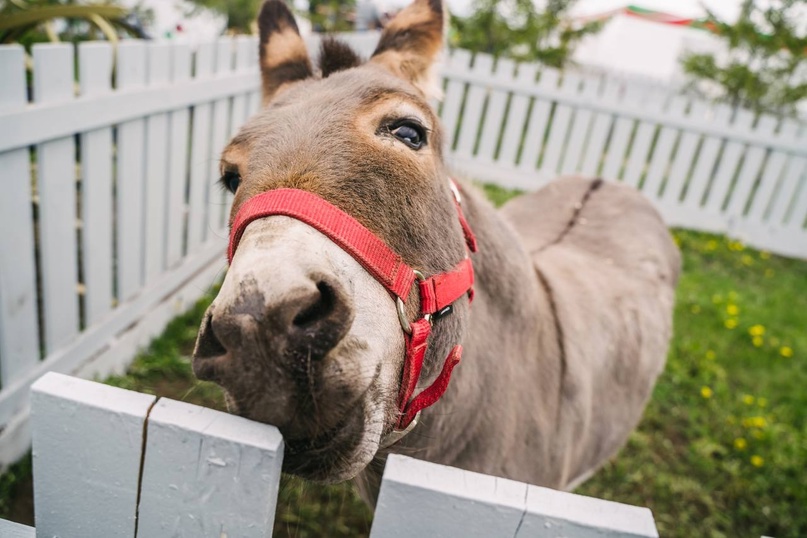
point(574, 284)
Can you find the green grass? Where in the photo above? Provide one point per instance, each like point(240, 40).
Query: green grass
point(722, 448)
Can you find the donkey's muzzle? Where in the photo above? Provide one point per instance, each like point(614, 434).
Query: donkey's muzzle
point(286, 329)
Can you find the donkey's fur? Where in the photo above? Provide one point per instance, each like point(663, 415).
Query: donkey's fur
point(574, 284)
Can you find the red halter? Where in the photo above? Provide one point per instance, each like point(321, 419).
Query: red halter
point(436, 292)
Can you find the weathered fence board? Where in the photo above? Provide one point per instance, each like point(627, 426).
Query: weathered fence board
point(56, 187)
point(19, 339)
point(131, 144)
point(87, 445)
point(112, 462)
point(207, 473)
point(95, 76)
point(425, 499)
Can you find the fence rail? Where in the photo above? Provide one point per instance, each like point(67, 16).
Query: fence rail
point(112, 222)
point(111, 462)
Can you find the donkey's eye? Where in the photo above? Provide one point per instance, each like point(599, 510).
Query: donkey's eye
point(231, 180)
point(410, 133)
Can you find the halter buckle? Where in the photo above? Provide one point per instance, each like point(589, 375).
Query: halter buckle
point(396, 435)
point(405, 325)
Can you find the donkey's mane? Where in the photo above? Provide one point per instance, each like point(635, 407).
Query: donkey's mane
point(336, 55)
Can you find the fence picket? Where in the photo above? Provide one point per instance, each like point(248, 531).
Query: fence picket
point(751, 169)
point(95, 76)
point(156, 190)
point(662, 154)
point(623, 127)
point(220, 134)
point(474, 106)
point(772, 174)
point(684, 158)
point(516, 119)
point(19, 340)
point(601, 126)
point(642, 140)
point(200, 153)
point(56, 184)
point(495, 113)
point(580, 129)
point(732, 153)
point(699, 182)
point(537, 123)
point(131, 74)
point(787, 190)
point(558, 130)
point(179, 121)
point(450, 113)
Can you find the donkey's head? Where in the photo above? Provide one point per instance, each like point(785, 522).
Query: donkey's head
point(301, 335)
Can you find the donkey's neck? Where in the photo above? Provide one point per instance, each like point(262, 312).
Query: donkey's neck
point(510, 358)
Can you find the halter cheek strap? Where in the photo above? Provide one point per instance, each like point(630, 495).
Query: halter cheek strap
point(437, 292)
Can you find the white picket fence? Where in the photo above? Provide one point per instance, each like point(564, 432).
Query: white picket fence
point(112, 222)
point(111, 462)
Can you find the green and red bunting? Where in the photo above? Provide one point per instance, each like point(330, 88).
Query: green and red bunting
point(649, 15)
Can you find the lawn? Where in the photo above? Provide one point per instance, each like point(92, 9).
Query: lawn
point(721, 451)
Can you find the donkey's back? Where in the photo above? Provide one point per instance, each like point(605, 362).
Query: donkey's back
point(608, 266)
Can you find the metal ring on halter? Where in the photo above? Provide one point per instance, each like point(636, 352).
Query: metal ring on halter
point(396, 435)
point(405, 325)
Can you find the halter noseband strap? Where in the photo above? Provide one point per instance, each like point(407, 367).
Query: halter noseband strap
point(437, 292)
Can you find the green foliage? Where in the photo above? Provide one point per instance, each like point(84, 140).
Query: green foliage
point(517, 29)
point(331, 15)
point(767, 53)
point(240, 14)
point(30, 21)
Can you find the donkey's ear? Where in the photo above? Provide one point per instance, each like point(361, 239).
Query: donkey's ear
point(284, 57)
point(411, 43)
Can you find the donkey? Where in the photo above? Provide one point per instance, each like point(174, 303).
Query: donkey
point(357, 267)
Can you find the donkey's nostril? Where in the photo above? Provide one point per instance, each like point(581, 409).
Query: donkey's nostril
point(320, 309)
point(207, 343)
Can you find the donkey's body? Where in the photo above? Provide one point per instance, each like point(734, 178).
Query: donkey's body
point(573, 295)
point(569, 332)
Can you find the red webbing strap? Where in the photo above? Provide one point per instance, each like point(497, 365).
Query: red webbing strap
point(434, 392)
point(416, 345)
point(370, 251)
point(443, 289)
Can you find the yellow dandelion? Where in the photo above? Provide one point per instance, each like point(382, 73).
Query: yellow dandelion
point(730, 323)
point(757, 341)
point(758, 434)
point(769, 273)
point(711, 245)
point(757, 461)
point(695, 309)
point(786, 351)
point(765, 255)
point(706, 392)
point(747, 260)
point(762, 402)
point(759, 422)
point(711, 355)
point(748, 399)
point(732, 309)
point(677, 240)
point(756, 330)
point(740, 443)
